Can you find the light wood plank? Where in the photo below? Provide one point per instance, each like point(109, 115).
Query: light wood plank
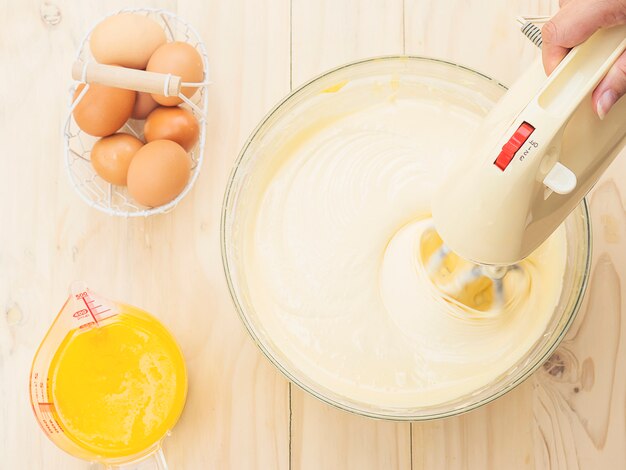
point(245, 424)
point(484, 37)
point(237, 410)
point(498, 435)
point(49, 227)
point(324, 437)
point(579, 404)
point(570, 413)
point(327, 34)
point(479, 34)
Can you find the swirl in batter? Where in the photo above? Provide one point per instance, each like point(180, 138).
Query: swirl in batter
point(333, 268)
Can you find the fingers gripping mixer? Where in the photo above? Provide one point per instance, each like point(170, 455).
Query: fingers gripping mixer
point(533, 159)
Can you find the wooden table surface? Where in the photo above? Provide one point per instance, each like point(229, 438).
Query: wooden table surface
point(241, 413)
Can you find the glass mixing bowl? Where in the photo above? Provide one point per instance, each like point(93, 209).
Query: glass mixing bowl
point(257, 161)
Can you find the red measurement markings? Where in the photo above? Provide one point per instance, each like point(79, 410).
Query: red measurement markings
point(46, 406)
point(102, 312)
point(50, 425)
point(89, 308)
point(47, 420)
point(45, 425)
point(38, 392)
point(94, 309)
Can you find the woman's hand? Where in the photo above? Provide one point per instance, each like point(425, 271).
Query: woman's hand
point(573, 24)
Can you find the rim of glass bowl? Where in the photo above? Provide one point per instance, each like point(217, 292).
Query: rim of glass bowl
point(348, 405)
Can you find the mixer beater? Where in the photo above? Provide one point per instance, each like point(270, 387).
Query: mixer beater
point(535, 157)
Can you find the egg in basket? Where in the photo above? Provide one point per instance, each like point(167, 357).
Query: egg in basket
point(136, 127)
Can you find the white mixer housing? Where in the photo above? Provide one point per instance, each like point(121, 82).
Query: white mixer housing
point(534, 158)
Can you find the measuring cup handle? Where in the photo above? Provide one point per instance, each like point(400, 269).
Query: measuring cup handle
point(122, 77)
point(155, 461)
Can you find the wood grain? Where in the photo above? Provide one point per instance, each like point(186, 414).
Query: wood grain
point(246, 423)
point(237, 412)
point(329, 33)
point(241, 413)
point(579, 400)
point(481, 35)
point(499, 435)
point(326, 34)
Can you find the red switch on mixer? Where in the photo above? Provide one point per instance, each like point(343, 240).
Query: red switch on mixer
point(513, 145)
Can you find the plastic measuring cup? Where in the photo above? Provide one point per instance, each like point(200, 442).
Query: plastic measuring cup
point(108, 382)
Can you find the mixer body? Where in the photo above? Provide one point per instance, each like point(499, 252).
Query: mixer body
point(533, 159)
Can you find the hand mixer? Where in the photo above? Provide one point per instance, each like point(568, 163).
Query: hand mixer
point(531, 162)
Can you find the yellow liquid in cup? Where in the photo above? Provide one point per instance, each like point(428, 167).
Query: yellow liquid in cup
point(118, 388)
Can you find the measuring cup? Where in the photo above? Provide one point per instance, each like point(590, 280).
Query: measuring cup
point(108, 382)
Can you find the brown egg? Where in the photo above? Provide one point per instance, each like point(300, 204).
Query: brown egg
point(158, 173)
point(103, 110)
point(127, 39)
point(177, 58)
point(144, 104)
point(175, 124)
point(111, 156)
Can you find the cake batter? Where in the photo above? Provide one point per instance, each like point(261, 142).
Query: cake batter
point(332, 260)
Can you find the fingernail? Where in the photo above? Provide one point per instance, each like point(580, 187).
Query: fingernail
point(605, 103)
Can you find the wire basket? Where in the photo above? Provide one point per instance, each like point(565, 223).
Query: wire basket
point(94, 190)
